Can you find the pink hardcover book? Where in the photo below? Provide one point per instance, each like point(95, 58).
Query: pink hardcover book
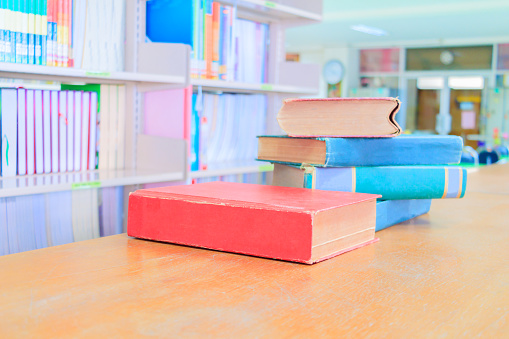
point(340, 117)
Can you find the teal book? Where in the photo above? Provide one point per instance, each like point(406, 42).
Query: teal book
point(391, 182)
point(334, 152)
point(392, 212)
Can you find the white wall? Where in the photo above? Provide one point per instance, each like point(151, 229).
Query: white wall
point(344, 54)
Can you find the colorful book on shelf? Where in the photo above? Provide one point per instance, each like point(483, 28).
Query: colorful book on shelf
point(333, 152)
point(392, 212)
point(8, 128)
point(340, 117)
point(278, 222)
point(391, 182)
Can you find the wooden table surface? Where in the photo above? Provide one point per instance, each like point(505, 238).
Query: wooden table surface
point(445, 274)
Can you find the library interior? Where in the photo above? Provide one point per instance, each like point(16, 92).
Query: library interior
point(252, 168)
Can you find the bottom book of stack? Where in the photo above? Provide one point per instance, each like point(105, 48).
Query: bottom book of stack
point(30, 222)
point(293, 224)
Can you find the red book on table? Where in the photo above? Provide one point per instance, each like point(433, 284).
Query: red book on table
point(294, 224)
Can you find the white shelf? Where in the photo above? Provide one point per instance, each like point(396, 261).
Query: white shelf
point(270, 10)
point(233, 168)
point(45, 183)
point(67, 74)
point(243, 87)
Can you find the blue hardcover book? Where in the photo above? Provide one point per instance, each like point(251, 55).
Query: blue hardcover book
point(392, 182)
point(162, 15)
point(392, 212)
point(334, 152)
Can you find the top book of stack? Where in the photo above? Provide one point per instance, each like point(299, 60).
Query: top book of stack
point(340, 117)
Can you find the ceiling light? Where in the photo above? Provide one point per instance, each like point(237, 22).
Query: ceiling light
point(430, 83)
point(466, 82)
point(369, 30)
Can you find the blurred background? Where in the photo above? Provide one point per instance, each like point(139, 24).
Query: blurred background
point(447, 61)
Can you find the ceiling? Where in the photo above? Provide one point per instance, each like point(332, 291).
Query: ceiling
point(431, 21)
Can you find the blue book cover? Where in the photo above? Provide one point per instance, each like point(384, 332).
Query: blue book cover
point(162, 15)
point(392, 212)
point(335, 152)
point(392, 182)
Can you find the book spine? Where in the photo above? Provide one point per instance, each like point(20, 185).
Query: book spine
point(38, 32)
point(60, 33)
point(18, 13)
point(9, 34)
point(70, 60)
point(2, 30)
point(49, 37)
point(394, 182)
point(195, 49)
point(31, 31)
point(208, 40)
point(43, 7)
point(54, 33)
point(216, 13)
point(24, 30)
point(195, 136)
point(65, 38)
point(225, 39)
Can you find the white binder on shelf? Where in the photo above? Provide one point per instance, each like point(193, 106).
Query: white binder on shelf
point(39, 140)
point(22, 125)
point(85, 122)
point(30, 102)
point(104, 127)
point(77, 130)
point(9, 132)
point(112, 131)
point(62, 130)
point(70, 131)
point(54, 131)
point(46, 115)
point(93, 131)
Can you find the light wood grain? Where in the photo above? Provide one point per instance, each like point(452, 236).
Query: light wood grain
point(445, 274)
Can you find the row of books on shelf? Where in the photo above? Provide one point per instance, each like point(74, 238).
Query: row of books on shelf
point(223, 46)
point(31, 222)
point(58, 131)
point(224, 128)
point(86, 34)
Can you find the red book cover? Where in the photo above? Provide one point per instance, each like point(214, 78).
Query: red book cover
point(293, 224)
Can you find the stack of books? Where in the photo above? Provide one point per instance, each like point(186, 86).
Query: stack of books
point(354, 145)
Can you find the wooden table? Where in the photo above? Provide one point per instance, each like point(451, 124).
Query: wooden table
point(445, 274)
